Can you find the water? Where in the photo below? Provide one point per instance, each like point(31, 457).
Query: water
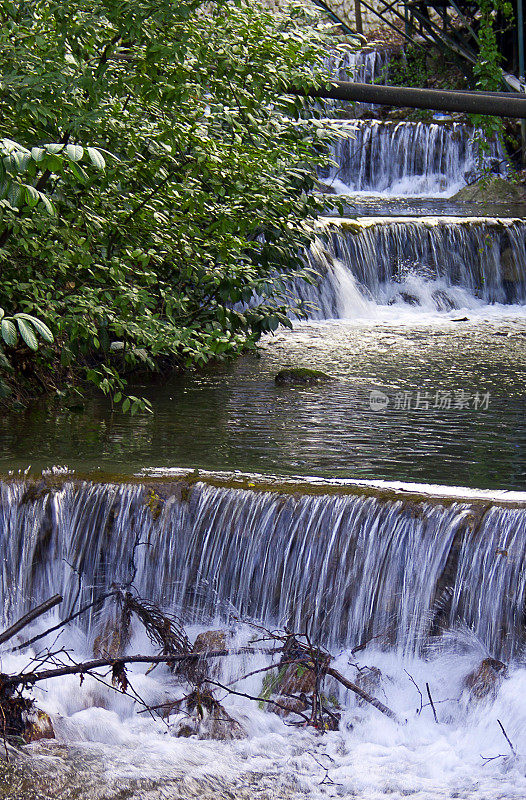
point(417, 308)
point(346, 568)
point(409, 158)
point(303, 553)
point(435, 263)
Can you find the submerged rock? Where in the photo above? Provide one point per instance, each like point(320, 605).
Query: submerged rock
point(485, 679)
point(301, 376)
point(369, 679)
point(206, 719)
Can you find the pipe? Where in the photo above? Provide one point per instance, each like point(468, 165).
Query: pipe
point(434, 99)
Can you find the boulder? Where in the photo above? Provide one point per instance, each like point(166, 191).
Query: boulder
point(205, 643)
point(493, 190)
point(370, 680)
point(485, 679)
point(211, 640)
point(38, 726)
point(301, 376)
point(287, 705)
point(298, 679)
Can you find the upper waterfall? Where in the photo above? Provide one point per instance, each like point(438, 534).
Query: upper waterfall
point(409, 158)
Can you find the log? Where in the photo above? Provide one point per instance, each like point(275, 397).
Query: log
point(496, 105)
point(30, 617)
point(361, 693)
point(29, 678)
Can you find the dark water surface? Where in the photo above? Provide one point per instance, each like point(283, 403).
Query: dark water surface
point(235, 417)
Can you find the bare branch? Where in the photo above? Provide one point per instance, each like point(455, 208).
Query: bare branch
point(43, 608)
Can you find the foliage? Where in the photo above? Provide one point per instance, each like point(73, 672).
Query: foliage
point(487, 70)
point(149, 255)
point(409, 67)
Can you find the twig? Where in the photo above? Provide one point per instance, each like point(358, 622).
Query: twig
point(415, 684)
point(64, 622)
point(431, 702)
point(507, 737)
point(29, 617)
point(258, 699)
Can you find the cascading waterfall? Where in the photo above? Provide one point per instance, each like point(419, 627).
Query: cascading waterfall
point(347, 566)
point(409, 158)
point(361, 66)
point(439, 263)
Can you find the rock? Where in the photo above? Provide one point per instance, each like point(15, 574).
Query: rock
point(211, 640)
point(493, 190)
point(206, 718)
point(301, 376)
point(39, 726)
point(204, 643)
point(485, 679)
point(287, 705)
point(298, 679)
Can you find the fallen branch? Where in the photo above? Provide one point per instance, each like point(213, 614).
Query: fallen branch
point(507, 737)
point(363, 694)
point(29, 678)
point(30, 617)
point(64, 621)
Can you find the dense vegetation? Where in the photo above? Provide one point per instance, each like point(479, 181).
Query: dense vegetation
point(154, 179)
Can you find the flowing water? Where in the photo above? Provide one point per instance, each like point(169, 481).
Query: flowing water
point(408, 158)
point(419, 319)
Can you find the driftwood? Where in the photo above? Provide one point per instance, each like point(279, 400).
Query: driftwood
point(30, 617)
point(297, 655)
point(361, 693)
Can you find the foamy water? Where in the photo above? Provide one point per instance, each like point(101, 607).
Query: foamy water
point(370, 757)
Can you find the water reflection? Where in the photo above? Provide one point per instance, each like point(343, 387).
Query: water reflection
point(234, 417)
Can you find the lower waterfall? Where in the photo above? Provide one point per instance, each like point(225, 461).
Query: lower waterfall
point(345, 567)
point(438, 263)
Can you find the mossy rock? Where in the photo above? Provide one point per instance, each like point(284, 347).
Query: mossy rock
point(494, 190)
point(301, 376)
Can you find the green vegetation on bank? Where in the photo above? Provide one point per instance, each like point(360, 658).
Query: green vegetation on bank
point(154, 179)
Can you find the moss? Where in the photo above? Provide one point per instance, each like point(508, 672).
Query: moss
point(493, 190)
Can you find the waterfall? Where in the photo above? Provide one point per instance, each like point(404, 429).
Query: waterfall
point(348, 567)
point(438, 263)
point(361, 66)
point(409, 158)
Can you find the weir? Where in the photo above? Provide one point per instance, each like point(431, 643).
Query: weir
point(438, 263)
point(347, 567)
point(409, 158)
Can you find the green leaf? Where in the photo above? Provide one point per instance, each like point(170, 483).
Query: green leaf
point(74, 151)
point(9, 334)
point(27, 334)
point(96, 157)
point(54, 148)
point(40, 326)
